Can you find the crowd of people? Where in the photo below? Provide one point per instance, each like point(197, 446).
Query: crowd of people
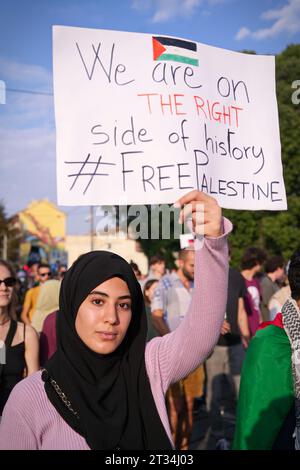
point(101, 357)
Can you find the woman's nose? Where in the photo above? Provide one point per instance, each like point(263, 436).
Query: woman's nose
point(2, 285)
point(111, 314)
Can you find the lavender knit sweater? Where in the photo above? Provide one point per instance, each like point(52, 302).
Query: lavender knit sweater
point(30, 421)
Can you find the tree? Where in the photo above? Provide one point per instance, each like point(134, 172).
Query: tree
point(277, 232)
point(3, 230)
point(9, 237)
point(143, 222)
point(167, 247)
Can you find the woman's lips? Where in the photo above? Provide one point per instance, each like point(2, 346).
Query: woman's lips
point(107, 336)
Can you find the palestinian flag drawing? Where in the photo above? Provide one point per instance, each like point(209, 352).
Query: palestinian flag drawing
point(176, 50)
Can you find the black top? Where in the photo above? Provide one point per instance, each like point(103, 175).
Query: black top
point(236, 290)
point(13, 370)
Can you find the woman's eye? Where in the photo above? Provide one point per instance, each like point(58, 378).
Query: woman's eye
point(97, 301)
point(125, 306)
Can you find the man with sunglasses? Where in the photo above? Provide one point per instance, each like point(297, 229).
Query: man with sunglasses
point(44, 274)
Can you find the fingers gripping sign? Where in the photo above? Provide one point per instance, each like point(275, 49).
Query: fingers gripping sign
point(204, 212)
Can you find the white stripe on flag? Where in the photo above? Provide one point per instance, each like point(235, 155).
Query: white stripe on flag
point(181, 51)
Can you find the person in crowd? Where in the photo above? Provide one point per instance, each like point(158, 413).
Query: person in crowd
point(169, 306)
point(136, 270)
point(157, 268)
point(47, 302)
point(32, 269)
point(45, 318)
point(20, 346)
point(21, 288)
point(104, 388)
point(269, 401)
point(31, 296)
point(278, 299)
point(274, 273)
point(48, 340)
point(61, 272)
point(149, 289)
point(251, 264)
point(223, 367)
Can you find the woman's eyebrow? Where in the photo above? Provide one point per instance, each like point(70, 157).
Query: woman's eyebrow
point(127, 296)
point(99, 293)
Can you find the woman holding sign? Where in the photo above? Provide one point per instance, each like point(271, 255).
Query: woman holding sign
point(105, 387)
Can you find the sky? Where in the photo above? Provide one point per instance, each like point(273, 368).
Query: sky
point(27, 125)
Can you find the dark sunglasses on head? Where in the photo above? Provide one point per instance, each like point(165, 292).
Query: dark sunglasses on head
point(8, 282)
point(45, 274)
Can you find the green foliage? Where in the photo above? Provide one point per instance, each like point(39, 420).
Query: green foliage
point(13, 238)
point(167, 247)
point(277, 232)
point(2, 217)
point(3, 228)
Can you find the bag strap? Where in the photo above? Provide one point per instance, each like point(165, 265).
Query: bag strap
point(11, 333)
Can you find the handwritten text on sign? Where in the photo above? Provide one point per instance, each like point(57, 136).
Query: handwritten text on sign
point(142, 119)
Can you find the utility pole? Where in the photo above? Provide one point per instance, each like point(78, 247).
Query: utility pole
point(4, 245)
point(92, 231)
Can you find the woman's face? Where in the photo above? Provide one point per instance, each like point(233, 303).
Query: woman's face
point(104, 316)
point(5, 292)
point(150, 292)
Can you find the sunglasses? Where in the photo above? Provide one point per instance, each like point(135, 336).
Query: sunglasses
point(45, 274)
point(8, 282)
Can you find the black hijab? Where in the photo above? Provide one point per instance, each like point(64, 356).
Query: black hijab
point(110, 394)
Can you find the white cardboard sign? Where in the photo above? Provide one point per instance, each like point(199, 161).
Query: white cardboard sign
point(143, 119)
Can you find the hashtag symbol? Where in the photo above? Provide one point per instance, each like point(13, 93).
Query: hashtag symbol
point(84, 170)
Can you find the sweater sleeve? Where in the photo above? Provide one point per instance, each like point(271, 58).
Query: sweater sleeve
point(171, 357)
point(15, 432)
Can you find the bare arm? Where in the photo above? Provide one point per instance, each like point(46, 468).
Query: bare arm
point(159, 322)
point(226, 328)
point(243, 323)
point(31, 350)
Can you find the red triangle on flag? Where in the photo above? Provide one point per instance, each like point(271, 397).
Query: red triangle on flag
point(158, 49)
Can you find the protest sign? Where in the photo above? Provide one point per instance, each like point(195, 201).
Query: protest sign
point(145, 118)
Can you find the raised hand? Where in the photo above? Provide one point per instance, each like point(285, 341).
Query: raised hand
point(204, 211)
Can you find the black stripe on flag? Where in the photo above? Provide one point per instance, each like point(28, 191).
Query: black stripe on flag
point(192, 46)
